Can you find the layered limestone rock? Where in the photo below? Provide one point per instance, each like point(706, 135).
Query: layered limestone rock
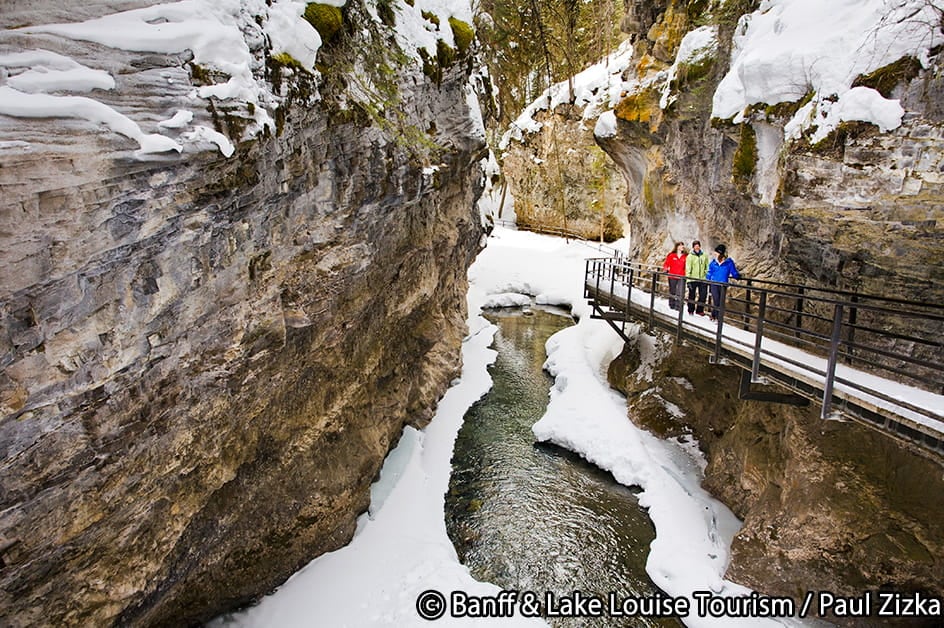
point(205, 359)
point(561, 180)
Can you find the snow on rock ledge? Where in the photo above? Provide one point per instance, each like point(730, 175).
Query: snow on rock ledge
point(223, 37)
point(788, 49)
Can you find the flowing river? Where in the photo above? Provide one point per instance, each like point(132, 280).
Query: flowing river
point(530, 516)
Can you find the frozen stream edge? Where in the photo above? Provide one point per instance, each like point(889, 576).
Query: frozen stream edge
point(401, 548)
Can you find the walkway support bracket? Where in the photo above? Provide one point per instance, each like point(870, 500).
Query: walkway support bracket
point(745, 393)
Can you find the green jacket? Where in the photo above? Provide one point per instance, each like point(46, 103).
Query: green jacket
point(696, 266)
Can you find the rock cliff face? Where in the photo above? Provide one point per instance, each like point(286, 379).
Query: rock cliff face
point(206, 359)
point(560, 179)
point(858, 210)
point(825, 505)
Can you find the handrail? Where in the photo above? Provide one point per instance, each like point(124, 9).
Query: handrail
point(560, 231)
point(821, 320)
point(754, 280)
point(855, 301)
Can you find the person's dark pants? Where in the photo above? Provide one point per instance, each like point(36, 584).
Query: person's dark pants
point(702, 289)
point(676, 294)
point(717, 291)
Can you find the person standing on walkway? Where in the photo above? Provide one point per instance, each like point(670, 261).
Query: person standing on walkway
point(675, 265)
point(696, 268)
point(720, 270)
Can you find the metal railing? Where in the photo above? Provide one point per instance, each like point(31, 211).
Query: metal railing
point(892, 338)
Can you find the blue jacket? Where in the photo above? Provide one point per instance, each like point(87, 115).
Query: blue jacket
point(723, 271)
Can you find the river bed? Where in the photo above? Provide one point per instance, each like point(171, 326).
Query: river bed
point(531, 516)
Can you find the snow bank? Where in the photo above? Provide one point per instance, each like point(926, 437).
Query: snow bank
point(215, 33)
point(415, 32)
point(291, 34)
point(507, 299)
point(206, 134)
point(596, 89)
point(221, 35)
point(180, 119)
point(788, 49)
point(606, 125)
point(19, 104)
point(81, 79)
point(697, 46)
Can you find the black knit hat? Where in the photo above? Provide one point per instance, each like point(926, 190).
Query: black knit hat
point(722, 249)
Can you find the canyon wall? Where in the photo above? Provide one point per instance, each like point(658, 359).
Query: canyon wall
point(205, 359)
point(560, 179)
point(826, 505)
point(858, 210)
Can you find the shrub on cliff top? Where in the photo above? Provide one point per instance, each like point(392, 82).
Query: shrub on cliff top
point(284, 59)
point(326, 19)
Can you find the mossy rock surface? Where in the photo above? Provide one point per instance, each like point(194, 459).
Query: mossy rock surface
point(885, 79)
point(286, 60)
point(462, 33)
point(326, 19)
point(445, 54)
point(642, 106)
point(694, 71)
point(745, 158)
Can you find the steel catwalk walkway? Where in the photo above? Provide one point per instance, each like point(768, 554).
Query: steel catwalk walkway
point(875, 360)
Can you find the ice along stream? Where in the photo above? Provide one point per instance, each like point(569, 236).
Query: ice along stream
point(530, 516)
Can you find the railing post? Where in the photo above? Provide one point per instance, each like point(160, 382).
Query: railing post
point(724, 295)
point(681, 310)
point(596, 295)
point(629, 297)
point(850, 336)
point(831, 364)
point(586, 279)
point(747, 304)
point(759, 336)
point(612, 285)
point(799, 311)
point(652, 297)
